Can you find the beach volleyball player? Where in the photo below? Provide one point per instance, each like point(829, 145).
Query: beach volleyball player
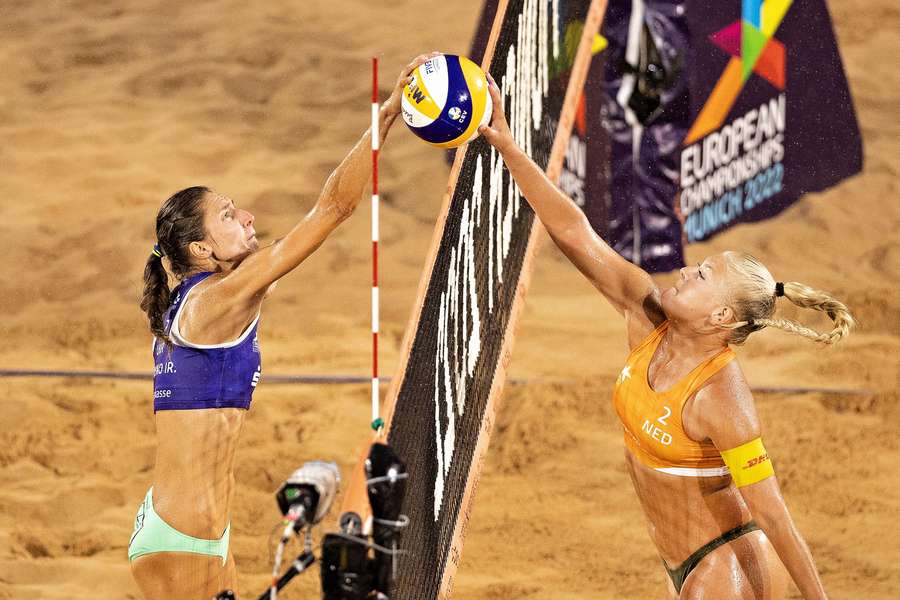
point(207, 360)
point(692, 436)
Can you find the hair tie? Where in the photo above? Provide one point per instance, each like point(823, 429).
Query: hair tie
point(157, 251)
point(779, 289)
point(750, 322)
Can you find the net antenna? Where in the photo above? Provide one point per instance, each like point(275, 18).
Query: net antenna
point(377, 421)
point(439, 410)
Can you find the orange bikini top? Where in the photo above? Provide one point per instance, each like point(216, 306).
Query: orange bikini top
point(652, 420)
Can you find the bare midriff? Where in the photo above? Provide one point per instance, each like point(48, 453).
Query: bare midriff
point(684, 513)
point(194, 476)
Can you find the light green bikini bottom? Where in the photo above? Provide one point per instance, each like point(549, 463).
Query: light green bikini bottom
point(152, 534)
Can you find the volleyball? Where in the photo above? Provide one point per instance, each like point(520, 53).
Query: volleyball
point(446, 101)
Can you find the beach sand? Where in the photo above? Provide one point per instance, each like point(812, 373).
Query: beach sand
point(105, 111)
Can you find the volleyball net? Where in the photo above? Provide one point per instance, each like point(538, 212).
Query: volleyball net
point(440, 408)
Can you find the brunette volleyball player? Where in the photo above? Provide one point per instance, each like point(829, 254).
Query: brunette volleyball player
point(207, 357)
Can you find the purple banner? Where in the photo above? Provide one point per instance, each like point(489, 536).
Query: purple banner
point(700, 114)
point(719, 112)
point(772, 115)
point(647, 111)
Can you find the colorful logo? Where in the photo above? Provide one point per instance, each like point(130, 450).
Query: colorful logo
point(598, 45)
point(752, 48)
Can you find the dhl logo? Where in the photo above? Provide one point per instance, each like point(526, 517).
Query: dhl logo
point(755, 461)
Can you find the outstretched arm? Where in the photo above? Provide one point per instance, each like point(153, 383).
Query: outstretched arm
point(627, 287)
point(726, 414)
point(339, 197)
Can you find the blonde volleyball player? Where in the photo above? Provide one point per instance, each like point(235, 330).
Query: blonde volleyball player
point(208, 363)
point(692, 436)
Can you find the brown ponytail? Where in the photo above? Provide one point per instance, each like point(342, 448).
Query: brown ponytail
point(178, 223)
point(155, 300)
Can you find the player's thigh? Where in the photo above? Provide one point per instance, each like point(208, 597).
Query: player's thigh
point(182, 575)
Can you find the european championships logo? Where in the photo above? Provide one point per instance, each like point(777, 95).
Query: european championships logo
point(727, 170)
point(753, 49)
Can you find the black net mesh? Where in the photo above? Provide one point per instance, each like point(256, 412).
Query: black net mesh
point(470, 296)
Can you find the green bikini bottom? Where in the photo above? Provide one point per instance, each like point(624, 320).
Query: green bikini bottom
point(152, 534)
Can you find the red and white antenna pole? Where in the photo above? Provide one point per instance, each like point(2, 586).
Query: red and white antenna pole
point(377, 422)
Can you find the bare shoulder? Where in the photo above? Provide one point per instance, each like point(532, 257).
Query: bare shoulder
point(230, 293)
point(724, 409)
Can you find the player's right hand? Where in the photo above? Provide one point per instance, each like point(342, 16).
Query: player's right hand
point(497, 132)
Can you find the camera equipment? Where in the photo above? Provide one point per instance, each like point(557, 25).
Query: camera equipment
point(307, 494)
point(349, 570)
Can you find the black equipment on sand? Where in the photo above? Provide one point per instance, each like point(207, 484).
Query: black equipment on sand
point(349, 571)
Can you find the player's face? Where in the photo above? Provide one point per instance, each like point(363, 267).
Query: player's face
point(700, 291)
point(229, 230)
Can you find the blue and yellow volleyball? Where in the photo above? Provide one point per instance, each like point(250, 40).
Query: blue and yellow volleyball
point(446, 101)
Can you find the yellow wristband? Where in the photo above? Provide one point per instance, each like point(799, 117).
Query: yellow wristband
point(748, 463)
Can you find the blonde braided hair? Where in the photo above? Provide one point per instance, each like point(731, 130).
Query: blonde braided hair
point(753, 294)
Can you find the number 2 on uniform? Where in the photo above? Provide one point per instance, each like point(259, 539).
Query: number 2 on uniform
point(663, 418)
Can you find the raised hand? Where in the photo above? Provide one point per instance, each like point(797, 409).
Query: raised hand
point(497, 133)
point(392, 105)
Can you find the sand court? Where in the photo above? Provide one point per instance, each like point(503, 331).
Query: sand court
point(106, 110)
